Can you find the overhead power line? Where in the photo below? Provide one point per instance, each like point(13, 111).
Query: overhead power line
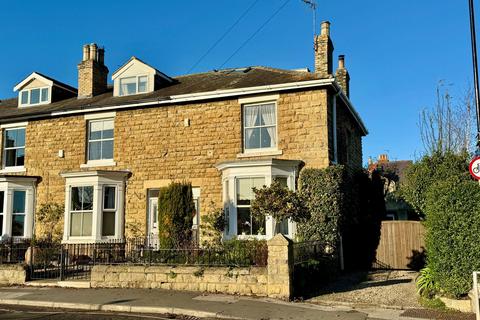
point(223, 35)
point(255, 33)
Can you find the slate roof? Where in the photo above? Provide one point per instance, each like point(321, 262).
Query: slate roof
point(193, 83)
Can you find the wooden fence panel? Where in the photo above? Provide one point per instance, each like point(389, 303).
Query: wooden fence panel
point(401, 242)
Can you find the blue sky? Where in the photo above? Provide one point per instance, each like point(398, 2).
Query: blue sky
point(396, 51)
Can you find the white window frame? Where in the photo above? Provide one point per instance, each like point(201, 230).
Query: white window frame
point(269, 169)
point(5, 168)
point(40, 102)
point(99, 162)
point(110, 210)
point(83, 212)
point(237, 178)
point(9, 185)
point(97, 179)
point(273, 149)
point(137, 83)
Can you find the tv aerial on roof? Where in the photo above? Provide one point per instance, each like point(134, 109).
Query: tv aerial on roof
point(313, 5)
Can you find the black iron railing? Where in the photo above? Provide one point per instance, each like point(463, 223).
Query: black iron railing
point(313, 250)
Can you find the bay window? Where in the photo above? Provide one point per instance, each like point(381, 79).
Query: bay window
point(94, 205)
point(239, 178)
point(16, 206)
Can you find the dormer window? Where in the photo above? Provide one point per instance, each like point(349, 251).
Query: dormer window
point(37, 89)
point(34, 96)
point(137, 77)
point(133, 85)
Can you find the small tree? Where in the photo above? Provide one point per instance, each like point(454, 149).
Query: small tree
point(50, 216)
point(280, 203)
point(176, 210)
point(213, 226)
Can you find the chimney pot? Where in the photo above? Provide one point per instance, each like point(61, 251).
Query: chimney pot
point(86, 52)
point(93, 52)
point(341, 61)
point(325, 28)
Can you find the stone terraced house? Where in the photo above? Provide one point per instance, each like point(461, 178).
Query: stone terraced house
point(104, 151)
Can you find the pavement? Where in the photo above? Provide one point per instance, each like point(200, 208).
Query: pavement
point(194, 304)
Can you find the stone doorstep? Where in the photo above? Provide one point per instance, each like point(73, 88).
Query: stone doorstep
point(118, 308)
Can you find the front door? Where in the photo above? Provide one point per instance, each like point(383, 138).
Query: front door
point(153, 218)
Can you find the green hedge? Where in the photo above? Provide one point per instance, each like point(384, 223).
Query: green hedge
point(326, 196)
point(453, 234)
point(347, 204)
point(176, 210)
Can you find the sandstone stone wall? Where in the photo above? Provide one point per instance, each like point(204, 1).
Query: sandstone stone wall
point(349, 139)
point(155, 145)
point(273, 281)
point(244, 281)
point(12, 274)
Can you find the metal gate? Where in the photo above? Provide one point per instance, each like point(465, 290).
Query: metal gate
point(61, 261)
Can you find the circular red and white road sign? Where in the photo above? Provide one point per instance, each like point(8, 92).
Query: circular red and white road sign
point(475, 168)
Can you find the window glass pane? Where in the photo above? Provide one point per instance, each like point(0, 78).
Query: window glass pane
point(252, 116)
point(20, 157)
point(10, 138)
point(267, 114)
point(2, 199)
point(18, 223)
point(267, 136)
point(258, 225)
point(96, 128)
point(76, 224)
point(1, 224)
point(18, 201)
point(107, 129)
point(76, 204)
point(109, 198)
point(20, 141)
point(87, 198)
point(94, 150)
point(283, 181)
point(245, 189)
point(87, 224)
point(24, 97)
point(128, 86)
point(243, 221)
point(142, 84)
point(44, 94)
point(107, 149)
point(34, 96)
point(252, 138)
point(108, 224)
point(10, 157)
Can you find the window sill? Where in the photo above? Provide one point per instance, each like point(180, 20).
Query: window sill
point(250, 154)
point(99, 163)
point(75, 240)
point(13, 170)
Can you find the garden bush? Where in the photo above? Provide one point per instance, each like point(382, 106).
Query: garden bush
point(425, 173)
point(176, 210)
point(452, 222)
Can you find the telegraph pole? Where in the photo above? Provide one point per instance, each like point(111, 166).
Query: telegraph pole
point(475, 71)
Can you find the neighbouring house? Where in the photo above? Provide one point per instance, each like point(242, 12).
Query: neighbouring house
point(393, 173)
point(104, 151)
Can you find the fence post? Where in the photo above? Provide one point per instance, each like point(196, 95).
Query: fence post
point(62, 264)
point(280, 267)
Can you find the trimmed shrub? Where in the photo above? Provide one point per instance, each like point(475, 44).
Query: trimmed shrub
point(324, 191)
point(453, 234)
point(347, 204)
point(425, 173)
point(176, 210)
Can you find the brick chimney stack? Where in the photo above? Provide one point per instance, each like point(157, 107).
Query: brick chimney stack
point(342, 76)
point(383, 158)
point(324, 52)
point(92, 72)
